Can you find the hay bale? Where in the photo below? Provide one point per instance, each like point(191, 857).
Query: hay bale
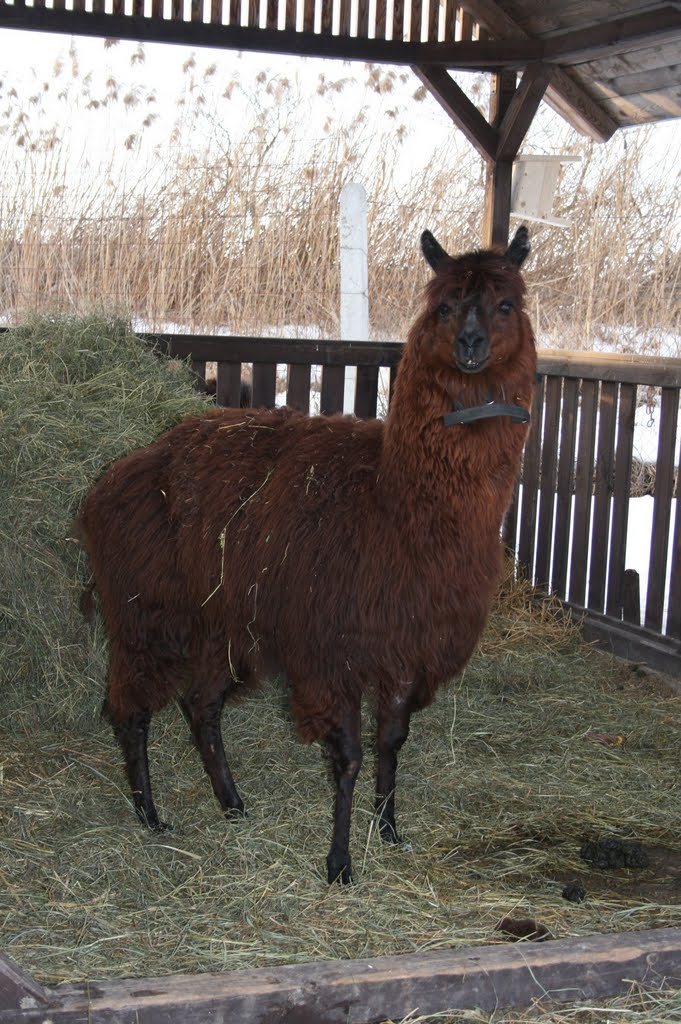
point(74, 395)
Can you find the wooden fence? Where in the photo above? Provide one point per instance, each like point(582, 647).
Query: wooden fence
point(568, 524)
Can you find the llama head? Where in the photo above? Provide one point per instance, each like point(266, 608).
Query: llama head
point(474, 304)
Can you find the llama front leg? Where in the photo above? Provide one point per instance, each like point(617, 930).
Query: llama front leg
point(392, 730)
point(344, 745)
point(203, 715)
point(132, 734)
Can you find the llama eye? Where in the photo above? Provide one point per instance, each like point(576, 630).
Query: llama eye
point(443, 309)
point(505, 307)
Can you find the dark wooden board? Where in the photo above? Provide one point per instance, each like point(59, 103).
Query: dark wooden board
point(271, 350)
point(583, 491)
point(620, 501)
point(228, 385)
point(264, 385)
point(662, 503)
point(565, 483)
point(366, 391)
point(530, 483)
point(333, 389)
point(600, 525)
point(392, 987)
point(547, 481)
point(298, 391)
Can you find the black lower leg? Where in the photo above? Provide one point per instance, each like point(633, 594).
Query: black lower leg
point(132, 736)
point(204, 721)
point(344, 746)
point(392, 731)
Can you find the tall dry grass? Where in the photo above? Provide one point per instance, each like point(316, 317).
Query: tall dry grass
point(218, 228)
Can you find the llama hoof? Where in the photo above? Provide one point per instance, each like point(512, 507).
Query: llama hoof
point(338, 870)
point(388, 833)
point(235, 813)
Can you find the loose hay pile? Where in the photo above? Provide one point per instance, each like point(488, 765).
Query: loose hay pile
point(542, 744)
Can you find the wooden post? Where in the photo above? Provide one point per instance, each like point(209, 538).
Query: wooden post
point(499, 172)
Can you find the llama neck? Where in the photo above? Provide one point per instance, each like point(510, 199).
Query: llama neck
point(460, 469)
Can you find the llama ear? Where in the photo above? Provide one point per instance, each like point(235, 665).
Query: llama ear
point(519, 248)
point(433, 251)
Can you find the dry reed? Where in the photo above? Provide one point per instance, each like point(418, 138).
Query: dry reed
point(239, 231)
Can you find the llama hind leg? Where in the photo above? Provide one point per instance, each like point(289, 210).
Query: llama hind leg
point(132, 734)
point(344, 745)
point(203, 714)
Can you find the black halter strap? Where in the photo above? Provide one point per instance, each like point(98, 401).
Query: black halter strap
point(488, 411)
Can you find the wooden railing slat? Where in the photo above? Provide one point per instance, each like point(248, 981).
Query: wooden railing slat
point(363, 19)
point(602, 491)
point(333, 390)
point(327, 17)
point(674, 615)
point(620, 498)
point(547, 485)
point(398, 20)
point(664, 486)
point(415, 21)
point(228, 384)
point(381, 16)
point(308, 15)
point(298, 391)
point(264, 385)
point(583, 491)
point(467, 24)
point(272, 14)
point(344, 23)
point(450, 9)
point(565, 485)
point(366, 391)
point(199, 369)
point(530, 480)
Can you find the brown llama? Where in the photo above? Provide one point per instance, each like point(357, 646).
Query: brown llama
point(356, 557)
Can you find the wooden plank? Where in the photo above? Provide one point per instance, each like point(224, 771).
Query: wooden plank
point(547, 481)
point(619, 35)
point(459, 108)
point(398, 20)
point(276, 350)
point(499, 172)
point(344, 24)
point(176, 10)
point(583, 491)
point(620, 500)
point(628, 641)
point(664, 487)
point(450, 12)
point(509, 529)
point(565, 486)
point(363, 19)
point(272, 14)
point(416, 20)
point(298, 392)
point(199, 369)
point(651, 370)
point(264, 385)
point(18, 989)
point(252, 12)
point(605, 456)
point(673, 627)
point(366, 392)
point(327, 17)
point(467, 23)
point(333, 389)
point(290, 15)
point(228, 385)
point(381, 19)
point(308, 15)
point(530, 484)
point(433, 20)
point(366, 991)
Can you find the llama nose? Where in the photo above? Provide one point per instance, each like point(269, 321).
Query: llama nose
point(472, 347)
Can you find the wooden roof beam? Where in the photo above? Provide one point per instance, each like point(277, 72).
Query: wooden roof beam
point(463, 113)
point(564, 94)
point(522, 109)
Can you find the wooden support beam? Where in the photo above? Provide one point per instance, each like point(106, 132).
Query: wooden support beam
point(497, 215)
point(565, 95)
point(463, 113)
point(521, 110)
point(391, 987)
